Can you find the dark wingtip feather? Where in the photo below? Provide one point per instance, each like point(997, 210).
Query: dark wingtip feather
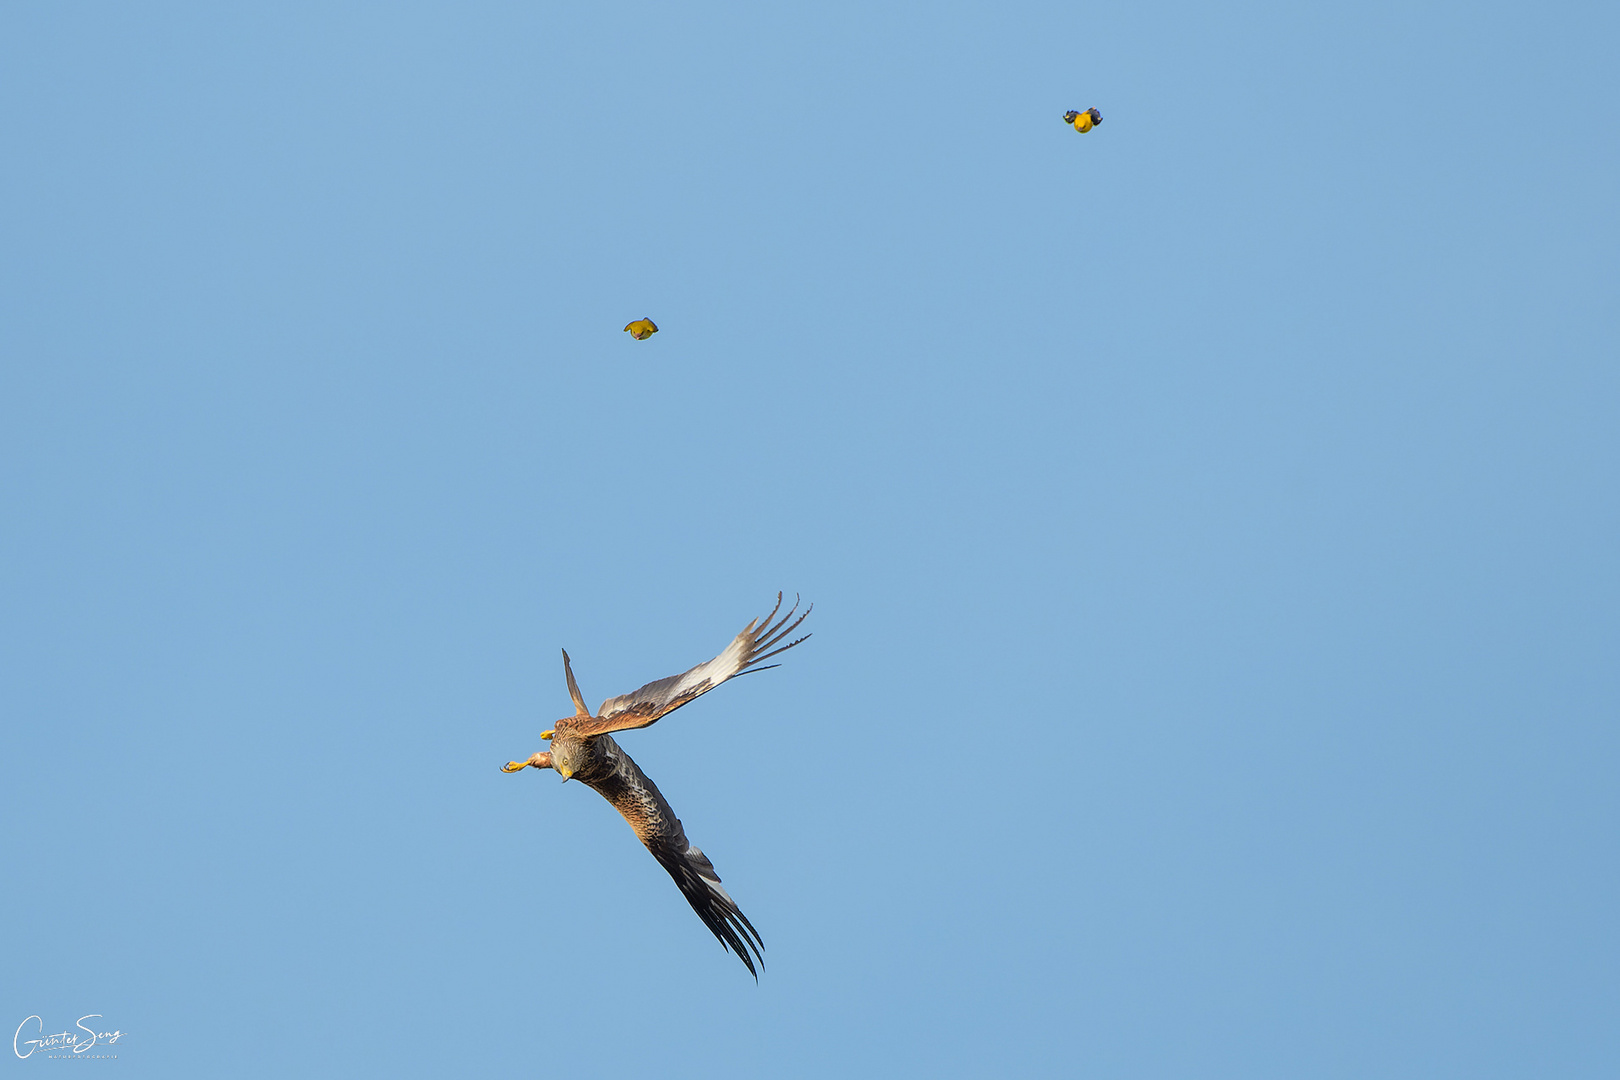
point(769, 635)
point(725, 921)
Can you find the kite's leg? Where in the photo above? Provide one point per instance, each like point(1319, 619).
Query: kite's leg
point(542, 760)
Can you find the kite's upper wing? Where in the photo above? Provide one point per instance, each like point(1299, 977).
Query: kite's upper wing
point(638, 799)
point(758, 641)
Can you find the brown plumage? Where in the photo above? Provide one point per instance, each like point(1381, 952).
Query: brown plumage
point(582, 749)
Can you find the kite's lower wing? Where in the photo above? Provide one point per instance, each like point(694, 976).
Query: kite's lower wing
point(758, 641)
point(641, 803)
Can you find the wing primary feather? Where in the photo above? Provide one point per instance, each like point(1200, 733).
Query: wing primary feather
point(767, 620)
point(755, 670)
point(784, 649)
point(765, 628)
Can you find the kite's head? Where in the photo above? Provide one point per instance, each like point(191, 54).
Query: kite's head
point(569, 753)
point(1069, 117)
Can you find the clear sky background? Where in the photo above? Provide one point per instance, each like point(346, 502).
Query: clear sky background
point(1211, 521)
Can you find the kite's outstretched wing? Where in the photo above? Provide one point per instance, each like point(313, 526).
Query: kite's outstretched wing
point(694, 874)
point(758, 641)
point(640, 802)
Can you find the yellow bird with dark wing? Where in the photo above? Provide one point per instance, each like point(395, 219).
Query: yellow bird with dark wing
point(642, 329)
point(1083, 121)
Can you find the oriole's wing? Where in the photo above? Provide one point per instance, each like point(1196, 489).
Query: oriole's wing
point(758, 641)
point(641, 803)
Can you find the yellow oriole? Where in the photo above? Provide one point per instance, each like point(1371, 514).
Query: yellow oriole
point(1083, 121)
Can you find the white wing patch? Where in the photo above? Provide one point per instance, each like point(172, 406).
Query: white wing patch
point(712, 882)
point(715, 672)
point(722, 667)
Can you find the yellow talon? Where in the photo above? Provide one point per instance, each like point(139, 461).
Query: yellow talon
point(514, 766)
point(548, 733)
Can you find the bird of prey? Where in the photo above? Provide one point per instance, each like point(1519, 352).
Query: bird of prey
point(1083, 121)
point(642, 329)
point(582, 749)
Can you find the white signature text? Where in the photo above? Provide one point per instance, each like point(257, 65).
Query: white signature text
point(76, 1042)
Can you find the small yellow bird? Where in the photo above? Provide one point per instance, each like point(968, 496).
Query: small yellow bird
point(642, 329)
point(1083, 121)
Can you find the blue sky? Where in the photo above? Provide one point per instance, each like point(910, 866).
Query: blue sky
point(1211, 522)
